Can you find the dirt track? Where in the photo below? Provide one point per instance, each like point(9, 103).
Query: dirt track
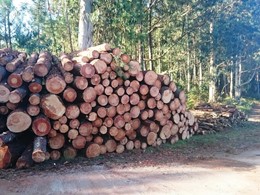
point(219, 169)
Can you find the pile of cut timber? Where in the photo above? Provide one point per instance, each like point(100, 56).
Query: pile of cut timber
point(215, 118)
point(52, 107)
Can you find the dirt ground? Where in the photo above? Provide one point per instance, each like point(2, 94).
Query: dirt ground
point(223, 163)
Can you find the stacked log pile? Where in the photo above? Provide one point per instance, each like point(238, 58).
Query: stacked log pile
point(96, 101)
point(215, 118)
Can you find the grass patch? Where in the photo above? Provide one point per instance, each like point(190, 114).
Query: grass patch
point(247, 133)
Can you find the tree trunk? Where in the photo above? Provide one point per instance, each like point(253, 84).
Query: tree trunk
point(212, 69)
point(85, 25)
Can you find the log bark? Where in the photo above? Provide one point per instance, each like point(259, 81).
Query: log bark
point(7, 137)
point(25, 160)
point(39, 149)
point(18, 94)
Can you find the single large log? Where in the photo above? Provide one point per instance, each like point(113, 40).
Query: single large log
point(43, 64)
point(18, 121)
point(41, 125)
point(15, 79)
point(52, 106)
point(100, 66)
point(39, 149)
point(150, 77)
point(35, 85)
point(55, 82)
point(28, 73)
point(66, 63)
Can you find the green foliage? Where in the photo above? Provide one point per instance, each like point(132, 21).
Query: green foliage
point(197, 95)
point(243, 104)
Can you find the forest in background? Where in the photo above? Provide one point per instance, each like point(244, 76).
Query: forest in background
point(210, 48)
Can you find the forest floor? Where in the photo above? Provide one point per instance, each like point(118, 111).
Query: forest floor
point(224, 163)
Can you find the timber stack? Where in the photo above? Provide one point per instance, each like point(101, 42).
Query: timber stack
point(215, 118)
point(96, 101)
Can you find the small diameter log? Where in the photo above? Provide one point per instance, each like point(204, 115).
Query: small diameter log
point(72, 111)
point(55, 155)
point(125, 58)
point(34, 99)
point(69, 94)
point(15, 80)
point(135, 112)
point(39, 149)
point(150, 77)
point(89, 94)
point(102, 100)
point(7, 137)
point(25, 160)
point(144, 90)
point(5, 90)
point(69, 153)
point(52, 106)
point(28, 73)
point(80, 82)
point(18, 121)
point(111, 145)
point(154, 91)
point(165, 132)
point(134, 99)
point(55, 82)
point(18, 94)
point(11, 106)
point(108, 90)
point(87, 70)
point(66, 63)
point(4, 110)
point(151, 138)
point(113, 100)
point(35, 85)
point(41, 125)
point(130, 145)
point(33, 110)
point(79, 142)
point(119, 121)
point(120, 148)
point(57, 142)
point(72, 134)
point(99, 89)
point(106, 57)
point(85, 108)
point(95, 79)
point(167, 94)
point(93, 150)
point(85, 129)
point(99, 65)
point(43, 64)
